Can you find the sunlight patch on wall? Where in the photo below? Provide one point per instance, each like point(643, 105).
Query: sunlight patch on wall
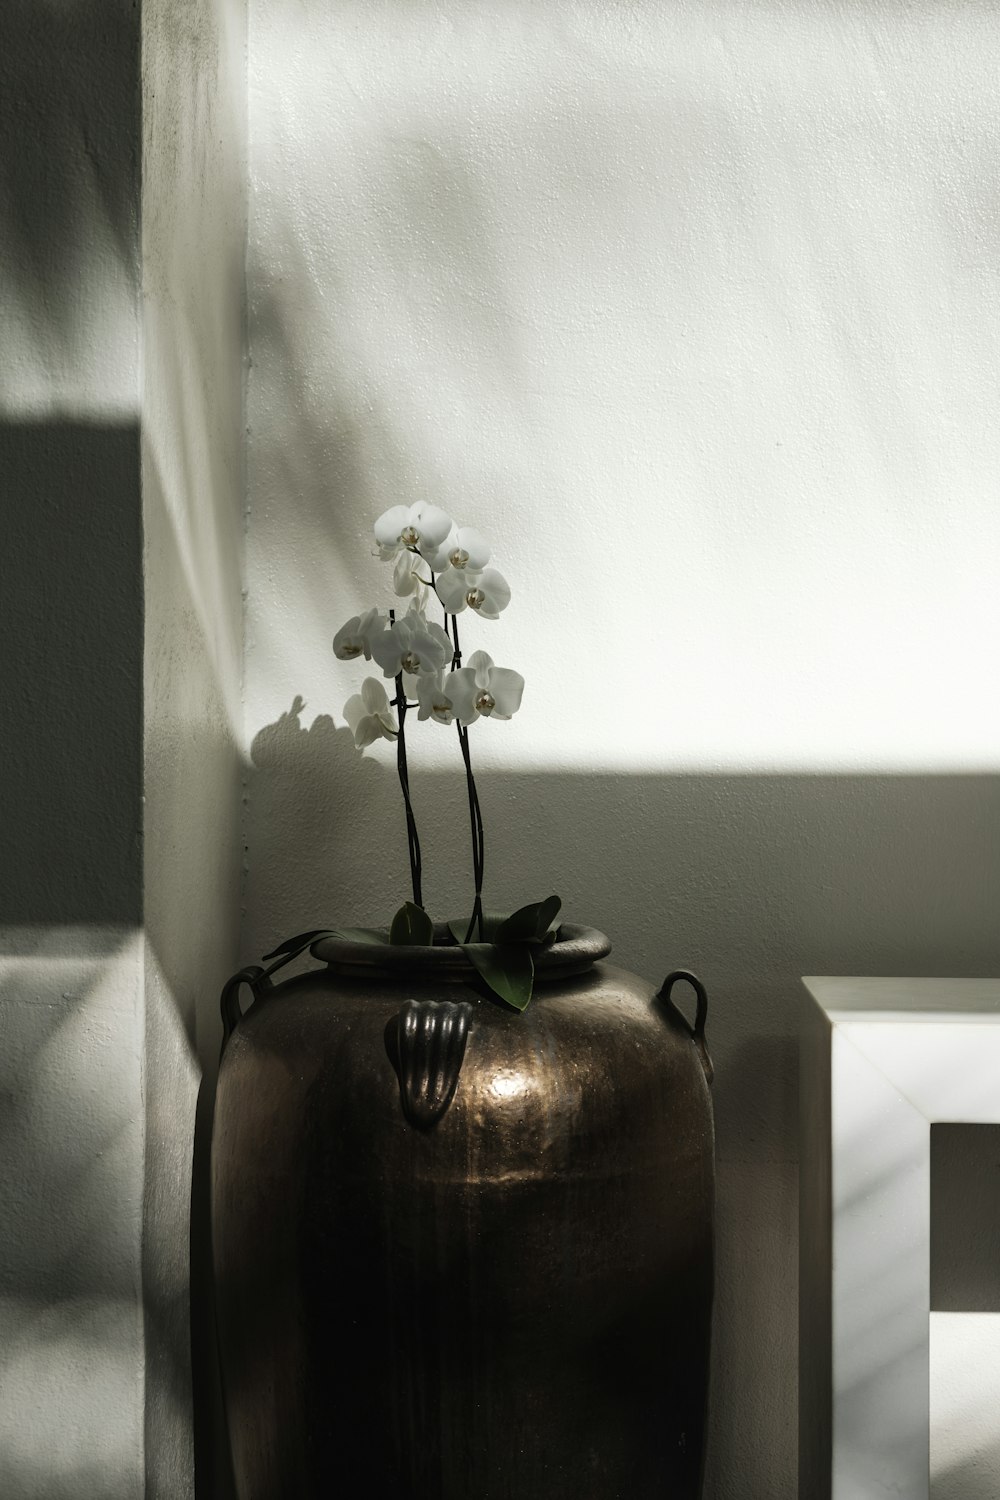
point(691, 312)
point(71, 1179)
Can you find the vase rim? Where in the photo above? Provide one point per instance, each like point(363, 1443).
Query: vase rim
point(575, 950)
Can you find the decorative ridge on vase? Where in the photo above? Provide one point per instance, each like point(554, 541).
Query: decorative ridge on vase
point(430, 1049)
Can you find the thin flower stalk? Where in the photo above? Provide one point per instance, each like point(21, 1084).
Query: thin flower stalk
point(431, 556)
point(412, 840)
point(475, 813)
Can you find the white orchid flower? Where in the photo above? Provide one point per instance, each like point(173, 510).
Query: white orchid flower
point(486, 591)
point(408, 576)
point(464, 547)
point(413, 645)
point(355, 638)
point(433, 694)
point(483, 689)
point(406, 527)
point(369, 714)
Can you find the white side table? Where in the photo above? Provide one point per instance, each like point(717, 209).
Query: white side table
point(882, 1060)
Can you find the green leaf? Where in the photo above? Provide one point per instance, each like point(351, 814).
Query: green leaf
point(294, 946)
point(529, 924)
point(411, 925)
point(359, 935)
point(507, 968)
point(492, 920)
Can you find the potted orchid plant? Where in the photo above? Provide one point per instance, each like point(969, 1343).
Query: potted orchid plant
point(466, 1226)
point(438, 563)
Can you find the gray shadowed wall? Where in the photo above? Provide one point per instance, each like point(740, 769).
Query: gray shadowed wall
point(747, 880)
point(71, 964)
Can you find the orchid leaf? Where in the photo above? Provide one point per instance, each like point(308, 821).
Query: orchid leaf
point(492, 922)
point(529, 924)
point(507, 968)
point(295, 945)
point(411, 925)
point(291, 948)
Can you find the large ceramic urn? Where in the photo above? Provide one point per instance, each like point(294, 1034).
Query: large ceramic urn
point(463, 1253)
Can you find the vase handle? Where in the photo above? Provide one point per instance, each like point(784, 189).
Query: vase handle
point(701, 1014)
point(232, 1012)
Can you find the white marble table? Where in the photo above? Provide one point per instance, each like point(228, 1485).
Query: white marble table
point(882, 1060)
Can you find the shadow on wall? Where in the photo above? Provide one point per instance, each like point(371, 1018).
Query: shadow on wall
point(71, 675)
point(71, 796)
point(56, 183)
point(751, 881)
point(69, 201)
point(760, 875)
point(71, 810)
point(71, 791)
point(73, 486)
point(70, 910)
point(973, 1480)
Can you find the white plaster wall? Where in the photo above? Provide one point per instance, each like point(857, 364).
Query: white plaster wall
point(193, 238)
point(693, 309)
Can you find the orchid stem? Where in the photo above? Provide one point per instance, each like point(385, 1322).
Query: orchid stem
point(476, 822)
point(412, 841)
point(475, 814)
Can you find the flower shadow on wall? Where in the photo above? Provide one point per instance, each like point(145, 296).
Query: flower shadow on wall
point(330, 802)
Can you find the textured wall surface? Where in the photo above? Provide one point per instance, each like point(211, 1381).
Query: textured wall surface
point(693, 309)
point(121, 492)
point(69, 205)
point(193, 237)
point(72, 1369)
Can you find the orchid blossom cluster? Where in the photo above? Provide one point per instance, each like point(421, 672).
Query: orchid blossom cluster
point(434, 561)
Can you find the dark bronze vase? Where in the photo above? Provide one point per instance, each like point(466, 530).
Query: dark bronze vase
point(463, 1253)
